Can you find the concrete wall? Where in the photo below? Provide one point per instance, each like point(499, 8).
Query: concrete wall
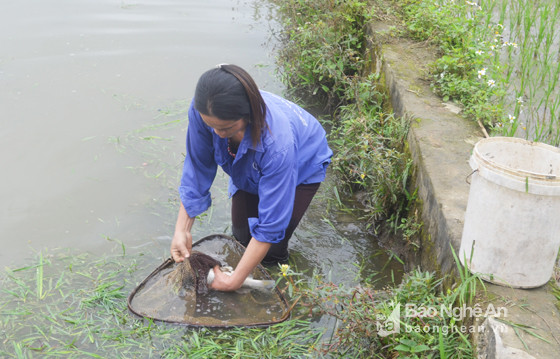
point(440, 142)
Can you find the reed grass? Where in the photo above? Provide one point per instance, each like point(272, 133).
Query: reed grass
point(501, 60)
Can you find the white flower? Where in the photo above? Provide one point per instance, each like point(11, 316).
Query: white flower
point(511, 118)
point(474, 4)
point(491, 83)
point(520, 100)
point(479, 52)
point(482, 73)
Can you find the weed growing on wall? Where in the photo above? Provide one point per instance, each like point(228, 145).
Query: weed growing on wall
point(370, 155)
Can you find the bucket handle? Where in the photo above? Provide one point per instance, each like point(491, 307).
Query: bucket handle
point(467, 179)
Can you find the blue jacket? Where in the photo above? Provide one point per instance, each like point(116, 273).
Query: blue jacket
point(292, 151)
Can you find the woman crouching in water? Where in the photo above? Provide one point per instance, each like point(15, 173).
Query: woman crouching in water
point(275, 153)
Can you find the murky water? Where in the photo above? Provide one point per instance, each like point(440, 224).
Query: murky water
point(93, 98)
point(83, 85)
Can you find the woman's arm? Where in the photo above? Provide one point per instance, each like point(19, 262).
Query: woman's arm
point(181, 245)
point(253, 255)
point(199, 170)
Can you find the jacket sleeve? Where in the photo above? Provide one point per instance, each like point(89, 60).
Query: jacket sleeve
point(277, 188)
point(199, 169)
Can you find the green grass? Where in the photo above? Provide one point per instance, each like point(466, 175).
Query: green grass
point(322, 49)
point(361, 313)
point(323, 60)
point(73, 305)
point(499, 59)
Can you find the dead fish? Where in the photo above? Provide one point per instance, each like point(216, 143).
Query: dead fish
point(264, 284)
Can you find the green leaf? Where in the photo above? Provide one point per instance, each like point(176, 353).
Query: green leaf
point(402, 348)
point(419, 348)
point(408, 342)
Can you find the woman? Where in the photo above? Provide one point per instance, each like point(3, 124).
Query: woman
point(275, 153)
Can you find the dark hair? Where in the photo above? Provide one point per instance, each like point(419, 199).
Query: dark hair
point(229, 93)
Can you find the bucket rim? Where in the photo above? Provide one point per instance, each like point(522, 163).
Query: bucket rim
point(550, 179)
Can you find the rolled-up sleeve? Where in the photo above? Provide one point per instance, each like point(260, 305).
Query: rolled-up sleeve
point(199, 169)
point(276, 196)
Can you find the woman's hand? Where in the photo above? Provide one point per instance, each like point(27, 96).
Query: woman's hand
point(181, 246)
point(253, 255)
point(224, 282)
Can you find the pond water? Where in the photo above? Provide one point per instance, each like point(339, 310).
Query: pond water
point(84, 85)
point(94, 96)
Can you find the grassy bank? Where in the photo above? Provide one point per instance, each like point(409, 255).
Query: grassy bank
point(323, 61)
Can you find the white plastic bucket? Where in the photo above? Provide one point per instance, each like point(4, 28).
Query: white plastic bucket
point(511, 234)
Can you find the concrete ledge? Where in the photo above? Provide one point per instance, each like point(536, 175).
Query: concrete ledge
point(440, 142)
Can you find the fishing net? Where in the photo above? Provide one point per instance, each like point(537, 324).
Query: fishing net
point(179, 292)
point(192, 273)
